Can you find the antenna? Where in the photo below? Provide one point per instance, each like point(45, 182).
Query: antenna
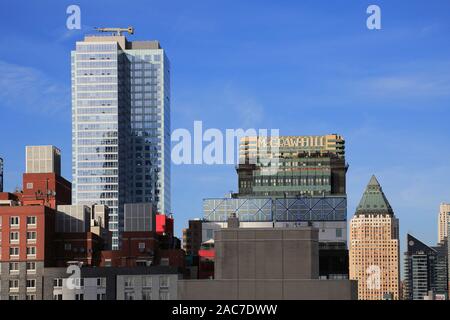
point(116, 31)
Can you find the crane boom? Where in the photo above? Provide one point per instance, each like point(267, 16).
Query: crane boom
point(117, 31)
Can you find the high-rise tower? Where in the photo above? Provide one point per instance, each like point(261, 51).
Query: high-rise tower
point(374, 246)
point(120, 125)
point(425, 269)
point(444, 214)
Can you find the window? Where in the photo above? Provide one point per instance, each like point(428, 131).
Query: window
point(30, 185)
point(338, 233)
point(129, 282)
point(14, 237)
point(31, 283)
point(101, 282)
point(14, 252)
point(67, 246)
point(14, 221)
point(31, 297)
point(143, 263)
point(164, 261)
point(164, 295)
point(31, 251)
point(31, 267)
point(79, 296)
point(58, 283)
point(57, 296)
point(31, 236)
point(129, 296)
point(14, 284)
point(13, 297)
point(147, 283)
point(141, 246)
point(79, 282)
point(31, 220)
point(163, 281)
point(101, 296)
point(146, 294)
point(13, 267)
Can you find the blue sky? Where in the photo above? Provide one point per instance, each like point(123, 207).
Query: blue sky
point(305, 67)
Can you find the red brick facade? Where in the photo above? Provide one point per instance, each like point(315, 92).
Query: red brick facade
point(24, 228)
point(46, 189)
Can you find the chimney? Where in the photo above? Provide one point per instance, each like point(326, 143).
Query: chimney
point(233, 221)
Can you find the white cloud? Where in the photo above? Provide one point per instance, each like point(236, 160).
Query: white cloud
point(64, 34)
point(406, 86)
point(248, 110)
point(28, 90)
point(223, 107)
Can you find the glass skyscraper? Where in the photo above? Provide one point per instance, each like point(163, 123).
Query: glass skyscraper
point(120, 125)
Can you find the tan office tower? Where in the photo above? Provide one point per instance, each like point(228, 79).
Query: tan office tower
point(444, 213)
point(374, 246)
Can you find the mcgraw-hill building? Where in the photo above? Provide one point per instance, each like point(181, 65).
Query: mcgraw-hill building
point(285, 182)
point(266, 263)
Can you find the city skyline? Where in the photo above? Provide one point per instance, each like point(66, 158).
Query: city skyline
point(397, 156)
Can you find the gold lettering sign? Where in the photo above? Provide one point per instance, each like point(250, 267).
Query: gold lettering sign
point(289, 142)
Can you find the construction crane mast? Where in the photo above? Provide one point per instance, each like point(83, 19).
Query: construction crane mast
point(116, 31)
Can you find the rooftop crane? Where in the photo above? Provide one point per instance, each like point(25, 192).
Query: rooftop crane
point(116, 31)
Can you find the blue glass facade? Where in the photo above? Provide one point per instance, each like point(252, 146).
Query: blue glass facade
point(276, 209)
point(120, 125)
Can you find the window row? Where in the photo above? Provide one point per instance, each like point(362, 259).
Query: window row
point(15, 221)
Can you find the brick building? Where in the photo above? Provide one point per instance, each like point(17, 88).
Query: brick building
point(47, 189)
point(27, 234)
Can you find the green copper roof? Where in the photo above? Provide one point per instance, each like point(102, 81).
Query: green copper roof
point(373, 200)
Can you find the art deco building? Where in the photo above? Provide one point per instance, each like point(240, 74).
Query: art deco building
point(444, 213)
point(374, 246)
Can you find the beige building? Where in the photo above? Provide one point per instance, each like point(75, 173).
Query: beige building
point(444, 213)
point(43, 159)
point(266, 264)
point(374, 246)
